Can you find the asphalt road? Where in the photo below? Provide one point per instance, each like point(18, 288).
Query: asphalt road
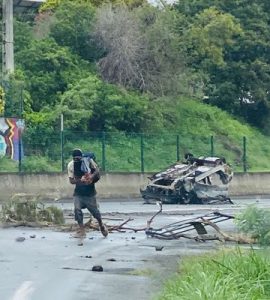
point(49, 264)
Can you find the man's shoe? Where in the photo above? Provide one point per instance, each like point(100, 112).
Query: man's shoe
point(80, 234)
point(104, 230)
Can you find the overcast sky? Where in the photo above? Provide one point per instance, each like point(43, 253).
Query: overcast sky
point(157, 1)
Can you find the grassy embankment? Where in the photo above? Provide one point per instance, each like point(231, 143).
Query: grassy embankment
point(192, 121)
point(233, 275)
point(228, 274)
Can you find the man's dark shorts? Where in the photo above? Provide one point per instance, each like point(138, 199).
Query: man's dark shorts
point(81, 202)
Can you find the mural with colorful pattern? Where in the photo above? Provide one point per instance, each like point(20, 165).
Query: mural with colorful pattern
point(10, 134)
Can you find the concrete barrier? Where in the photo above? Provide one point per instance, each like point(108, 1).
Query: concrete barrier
point(53, 186)
point(250, 184)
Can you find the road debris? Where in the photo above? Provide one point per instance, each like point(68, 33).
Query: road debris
point(122, 227)
point(17, 212)
point(197, 227)
point(201, 180)
point(20, 239)
point(97, 269)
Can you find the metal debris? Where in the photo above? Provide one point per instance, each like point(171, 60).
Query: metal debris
point(179, 229)
point(196, 180)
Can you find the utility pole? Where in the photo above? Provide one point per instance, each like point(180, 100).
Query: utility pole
point(8, 45)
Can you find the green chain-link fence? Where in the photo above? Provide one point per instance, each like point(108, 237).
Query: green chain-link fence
point(119, 152)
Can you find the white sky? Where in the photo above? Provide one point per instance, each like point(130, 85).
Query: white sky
point(157, 1)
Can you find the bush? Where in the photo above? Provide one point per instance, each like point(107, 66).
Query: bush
point(21, 210)
point(8, 165)
point(39, 164)
point(256, 222)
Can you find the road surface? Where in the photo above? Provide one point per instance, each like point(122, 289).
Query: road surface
point(49, 264)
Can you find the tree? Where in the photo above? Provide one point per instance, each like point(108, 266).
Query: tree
point(117, 31)
point(53, 4)
point(16, 97)
point(23, 35)
point(249, 62)
point(238, 71)
point(48, 70)
point(142, 50)
point(208, 36)
point(93, 105)
point(71, 27)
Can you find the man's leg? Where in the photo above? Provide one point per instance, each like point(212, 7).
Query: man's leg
point(92, 206)
point(78, 205)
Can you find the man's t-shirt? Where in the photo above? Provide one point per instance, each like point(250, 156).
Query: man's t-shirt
point(82, 190)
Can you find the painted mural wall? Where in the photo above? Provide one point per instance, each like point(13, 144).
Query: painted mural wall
point(10, 133)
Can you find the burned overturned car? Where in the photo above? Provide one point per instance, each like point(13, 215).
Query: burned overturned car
point(202, 180)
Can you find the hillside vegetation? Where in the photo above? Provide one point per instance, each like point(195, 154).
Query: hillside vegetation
point(197, 122)
point(198, 128)
point(141, 85)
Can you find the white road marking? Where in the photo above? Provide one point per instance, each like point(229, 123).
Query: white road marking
point(24, 292)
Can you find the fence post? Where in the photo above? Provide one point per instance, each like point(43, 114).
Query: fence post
point(177, 148)
point(103, 152)
point(244, 154)
point(212, 145)
point(20, 131)
point(62, 142)
point(62, 151)
point(142, 154)
point(20, 150)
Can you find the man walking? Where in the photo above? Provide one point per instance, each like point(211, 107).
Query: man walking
point(84, 173)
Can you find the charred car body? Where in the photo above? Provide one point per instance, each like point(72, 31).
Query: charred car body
point(196, 180)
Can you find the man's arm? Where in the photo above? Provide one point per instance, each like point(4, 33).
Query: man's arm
point(94, 176)
point(72, 178)
point(77, 181)
point(95, 172)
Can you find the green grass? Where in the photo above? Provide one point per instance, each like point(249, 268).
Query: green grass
point(200, 121)
point(192, 122)
point(227, 275)
point(255, 222)
point(8, 165)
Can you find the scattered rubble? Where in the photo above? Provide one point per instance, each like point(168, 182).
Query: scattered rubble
point(192, 228)
point(97, 269)
point(20, 239)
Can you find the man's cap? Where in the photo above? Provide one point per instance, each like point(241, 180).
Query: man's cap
point(77, 152)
